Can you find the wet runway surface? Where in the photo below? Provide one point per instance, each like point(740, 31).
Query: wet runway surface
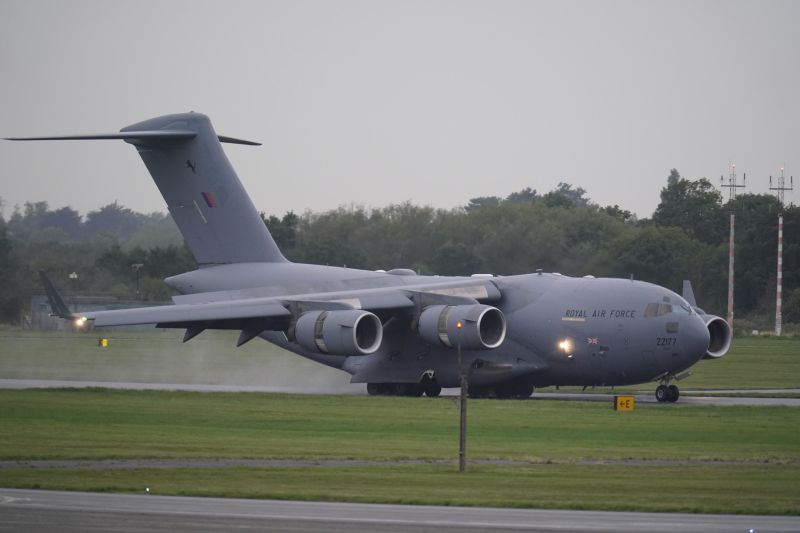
point(685, 399)
point(31, 510)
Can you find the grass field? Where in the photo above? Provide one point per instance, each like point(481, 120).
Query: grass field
point(754, 489)
point(752, 363)
point(160, 356)
point(567, 454)
point(573, 454)
point(102, 423)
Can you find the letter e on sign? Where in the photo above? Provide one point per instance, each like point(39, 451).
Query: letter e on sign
point(624, 403)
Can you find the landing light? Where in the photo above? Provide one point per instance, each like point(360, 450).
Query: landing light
point(565, 346)
point(80, 322)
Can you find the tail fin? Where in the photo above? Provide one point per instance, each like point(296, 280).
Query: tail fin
point(202, 191)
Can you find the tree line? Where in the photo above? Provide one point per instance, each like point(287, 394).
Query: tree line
point(560, 231)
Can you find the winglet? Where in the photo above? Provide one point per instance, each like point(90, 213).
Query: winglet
point(57, 305)
point(688, 293)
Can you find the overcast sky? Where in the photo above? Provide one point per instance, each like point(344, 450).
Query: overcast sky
point(377, 102)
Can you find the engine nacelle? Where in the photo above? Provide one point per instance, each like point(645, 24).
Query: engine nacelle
point(346, 332)
point(482, 327)
point(721, 336)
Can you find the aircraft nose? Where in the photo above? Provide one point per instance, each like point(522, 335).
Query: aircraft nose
point(697, 337)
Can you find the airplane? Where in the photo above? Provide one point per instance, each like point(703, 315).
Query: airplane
point(398, 332)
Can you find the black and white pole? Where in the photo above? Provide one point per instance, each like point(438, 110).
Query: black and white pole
point(780, 188)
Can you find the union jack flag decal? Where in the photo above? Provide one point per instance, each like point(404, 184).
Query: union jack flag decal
point(209, 199)
point(591, 340)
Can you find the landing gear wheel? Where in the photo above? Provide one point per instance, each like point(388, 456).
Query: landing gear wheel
point(373, 389)
point(524, 391)
point(479, 392)
point(503, 392)
point(662, 393)
point(433, 391)
point(674, 393)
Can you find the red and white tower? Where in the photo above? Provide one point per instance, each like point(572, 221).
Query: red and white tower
point(780, 188)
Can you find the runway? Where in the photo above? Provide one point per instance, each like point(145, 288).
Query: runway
point(685, 399)
point(33, 510)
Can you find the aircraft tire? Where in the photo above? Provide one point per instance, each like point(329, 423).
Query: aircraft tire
point(408, 389)
point(433, 391)
point(504, 392)
point(480, 392)
point(674, 394)
point(524, 391)
point(662, 393)
point(381, 389)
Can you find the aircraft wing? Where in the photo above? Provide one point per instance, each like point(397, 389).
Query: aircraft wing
point(214, 311)
point(185, 313)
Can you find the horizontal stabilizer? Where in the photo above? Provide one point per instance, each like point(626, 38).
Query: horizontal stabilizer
point(171, 135)
point(208, 203)
point(133, 136)
point(232, 140)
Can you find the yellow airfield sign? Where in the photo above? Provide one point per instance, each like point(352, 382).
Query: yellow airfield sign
point(624, 403)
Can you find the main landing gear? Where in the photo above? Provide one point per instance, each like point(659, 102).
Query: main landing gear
point(430, 389)
point(505, 391)
point(667, 393)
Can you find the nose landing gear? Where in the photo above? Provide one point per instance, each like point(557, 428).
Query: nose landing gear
point(665, 393)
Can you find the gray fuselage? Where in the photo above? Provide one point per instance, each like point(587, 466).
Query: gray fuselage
point(560, 330)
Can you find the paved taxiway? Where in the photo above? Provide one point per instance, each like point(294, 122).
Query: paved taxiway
point(686, 398)
point(33, 510)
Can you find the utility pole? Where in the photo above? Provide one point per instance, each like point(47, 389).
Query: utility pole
point(780, 188)
point(732, 186)
point(462, 407)
point(73, 276)
point(137, 267)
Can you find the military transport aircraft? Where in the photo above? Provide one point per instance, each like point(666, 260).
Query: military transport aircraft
point(397, 331)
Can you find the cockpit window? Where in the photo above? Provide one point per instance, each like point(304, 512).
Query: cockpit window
point(661, 309)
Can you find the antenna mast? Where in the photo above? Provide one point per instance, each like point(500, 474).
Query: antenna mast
point(779, 189)
point(732, 186)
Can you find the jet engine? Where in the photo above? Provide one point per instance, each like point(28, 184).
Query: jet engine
point(482, 327)
point(346, 332)
point(721, 336)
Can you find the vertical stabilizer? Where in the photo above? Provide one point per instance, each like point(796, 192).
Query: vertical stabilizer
point(202, 191)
